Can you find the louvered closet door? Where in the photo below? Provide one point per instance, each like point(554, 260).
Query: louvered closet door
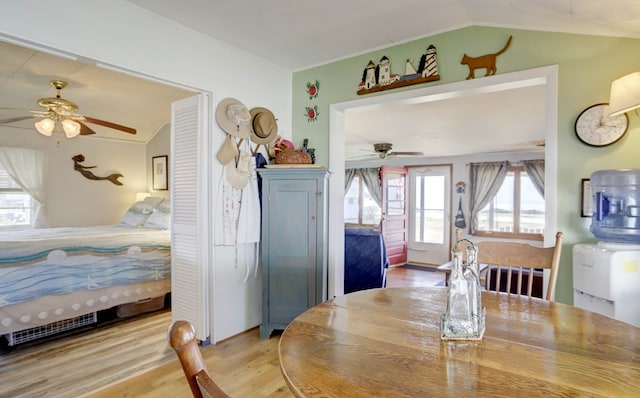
point(189, 205)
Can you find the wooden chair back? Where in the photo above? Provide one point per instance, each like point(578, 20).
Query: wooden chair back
point(516, 265)
point(182, 338)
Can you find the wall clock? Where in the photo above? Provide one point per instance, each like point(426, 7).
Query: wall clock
point(594, 126)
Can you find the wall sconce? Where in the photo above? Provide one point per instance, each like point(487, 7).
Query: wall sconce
point(625, 94)
point(70, 127)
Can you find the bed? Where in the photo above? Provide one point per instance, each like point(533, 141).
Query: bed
point(62, 276)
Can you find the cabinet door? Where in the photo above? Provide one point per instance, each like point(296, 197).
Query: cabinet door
point(292, 248)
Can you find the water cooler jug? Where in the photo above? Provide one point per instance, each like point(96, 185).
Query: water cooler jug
point(606, 275)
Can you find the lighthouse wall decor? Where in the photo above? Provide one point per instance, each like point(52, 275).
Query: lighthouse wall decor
point(379, 77)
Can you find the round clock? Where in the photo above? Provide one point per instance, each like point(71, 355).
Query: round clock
point(594, 126)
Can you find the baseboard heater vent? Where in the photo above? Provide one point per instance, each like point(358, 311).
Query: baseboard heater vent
point(50, 329)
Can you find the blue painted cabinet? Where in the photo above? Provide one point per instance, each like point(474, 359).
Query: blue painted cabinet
point(293, 243)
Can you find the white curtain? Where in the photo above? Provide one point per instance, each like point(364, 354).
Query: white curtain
point(535, 170)
point(349, 175)
point(26, 167)
point(370, 177)
point(485, 182)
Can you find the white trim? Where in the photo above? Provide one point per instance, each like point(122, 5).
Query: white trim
point(546, 75)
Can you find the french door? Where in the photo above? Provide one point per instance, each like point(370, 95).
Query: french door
point(430, 214)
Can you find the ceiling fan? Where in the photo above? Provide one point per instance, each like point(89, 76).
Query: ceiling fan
point(58, 109)
point(383, 150)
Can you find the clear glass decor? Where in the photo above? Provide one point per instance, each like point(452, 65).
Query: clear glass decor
point(464, 316)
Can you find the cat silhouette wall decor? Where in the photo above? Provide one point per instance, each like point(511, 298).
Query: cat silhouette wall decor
point(487, 61)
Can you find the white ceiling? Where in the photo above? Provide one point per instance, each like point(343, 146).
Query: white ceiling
point(298, 34)
point(326, 31)
point(101, 94)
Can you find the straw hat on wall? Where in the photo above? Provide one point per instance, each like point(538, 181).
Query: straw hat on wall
point(234, 118)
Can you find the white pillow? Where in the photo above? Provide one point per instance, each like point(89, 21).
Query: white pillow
point(161, 217)
point(136, 215)
point(158, 220)
point(154, 200)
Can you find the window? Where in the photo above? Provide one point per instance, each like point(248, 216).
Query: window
point(359, 206)
point(16, 205)
point(430, 209)
point(517, 210)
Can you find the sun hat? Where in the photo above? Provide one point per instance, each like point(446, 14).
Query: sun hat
point(234, 117)
point(264, 128)
point(228, 150)
point(238, 175)
point(279, 144)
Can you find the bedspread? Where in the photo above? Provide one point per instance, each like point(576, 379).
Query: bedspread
point(59, 262)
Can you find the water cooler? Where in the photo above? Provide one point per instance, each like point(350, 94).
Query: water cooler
point(606, 274)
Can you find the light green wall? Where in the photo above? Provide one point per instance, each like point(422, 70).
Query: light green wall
point(587, 65)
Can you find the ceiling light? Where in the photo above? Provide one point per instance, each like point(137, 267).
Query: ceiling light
point(625, 94)
point(71, 128)
point(45, 126)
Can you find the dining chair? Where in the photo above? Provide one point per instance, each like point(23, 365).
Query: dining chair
point(513, 267)
point(182, 338)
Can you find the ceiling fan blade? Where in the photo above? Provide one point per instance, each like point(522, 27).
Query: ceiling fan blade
point(407, 153)
point(17, 119)
point(85, 130)
point(363, 157)
point(110, 125)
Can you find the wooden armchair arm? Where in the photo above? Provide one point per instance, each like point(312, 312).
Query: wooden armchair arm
point(182, 338)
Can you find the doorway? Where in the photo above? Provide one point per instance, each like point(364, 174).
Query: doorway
point(429, 214)
point(546, 76)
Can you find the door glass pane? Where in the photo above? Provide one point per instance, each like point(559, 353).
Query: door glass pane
point(395, 194)
point(498, 214)
point(531, 207)
point(430, 209)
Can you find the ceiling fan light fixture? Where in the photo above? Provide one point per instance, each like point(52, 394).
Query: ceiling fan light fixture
point(45, 126)
point(71, 128)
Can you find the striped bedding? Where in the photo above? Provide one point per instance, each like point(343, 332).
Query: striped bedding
point(58, 263)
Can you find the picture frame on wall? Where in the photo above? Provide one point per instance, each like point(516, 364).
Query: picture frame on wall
point(160, 173)
point(587, 200)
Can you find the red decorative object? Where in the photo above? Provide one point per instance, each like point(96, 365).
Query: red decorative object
point(312, 113)
point(312, 89)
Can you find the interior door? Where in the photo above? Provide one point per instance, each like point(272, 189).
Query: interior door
point(430, 214)
point(394, 213)
point(190, 241)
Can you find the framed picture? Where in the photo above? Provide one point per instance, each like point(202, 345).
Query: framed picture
point(160, 173)
point(587, 198)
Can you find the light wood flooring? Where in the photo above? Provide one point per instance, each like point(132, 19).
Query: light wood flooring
point(131, 358)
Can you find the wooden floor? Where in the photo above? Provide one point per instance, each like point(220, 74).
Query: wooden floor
point(131, 358)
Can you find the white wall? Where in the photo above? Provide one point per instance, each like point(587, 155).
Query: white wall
point(158, 145)
point(117, 33)
point(73, 200)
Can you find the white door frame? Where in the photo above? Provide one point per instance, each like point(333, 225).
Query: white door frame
point(546, 76)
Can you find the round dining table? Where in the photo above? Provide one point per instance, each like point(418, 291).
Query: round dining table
point(387, 343)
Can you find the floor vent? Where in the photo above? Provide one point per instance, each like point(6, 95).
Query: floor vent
point(50, 329)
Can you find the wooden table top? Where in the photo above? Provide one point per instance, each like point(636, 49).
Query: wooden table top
point(386, 343)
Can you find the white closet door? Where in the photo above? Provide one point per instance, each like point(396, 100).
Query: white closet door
point(190, 253)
